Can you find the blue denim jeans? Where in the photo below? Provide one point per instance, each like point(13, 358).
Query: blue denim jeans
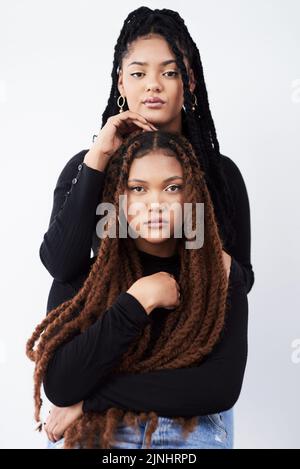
point(214, 431)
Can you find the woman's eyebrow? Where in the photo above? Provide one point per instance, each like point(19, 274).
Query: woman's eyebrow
point(166, 180)
point(165, 62)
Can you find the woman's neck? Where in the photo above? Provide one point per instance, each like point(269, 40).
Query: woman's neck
point(174, 125)
point(166, 248)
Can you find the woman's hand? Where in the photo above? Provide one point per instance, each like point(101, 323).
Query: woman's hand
point(60, 418)
point(111, 137)
point(159, 290)
point(227, 262)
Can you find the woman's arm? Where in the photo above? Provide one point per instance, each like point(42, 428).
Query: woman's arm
point(78, 366)
point(66, 247)
point(211, 387)
point(241, 250)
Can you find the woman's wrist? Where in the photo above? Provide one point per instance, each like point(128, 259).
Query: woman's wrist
point(95, 159)
point(147, 304)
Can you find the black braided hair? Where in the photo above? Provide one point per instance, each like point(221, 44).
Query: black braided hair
point(198, 126)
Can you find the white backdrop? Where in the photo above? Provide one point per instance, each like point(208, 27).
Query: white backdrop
point(56, 60)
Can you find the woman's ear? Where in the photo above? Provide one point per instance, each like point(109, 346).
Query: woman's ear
point(120, 83)
point(192, 80)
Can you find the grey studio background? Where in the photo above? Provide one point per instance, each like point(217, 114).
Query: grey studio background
point(56, 60)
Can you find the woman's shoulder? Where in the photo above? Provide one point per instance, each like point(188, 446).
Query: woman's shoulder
point(233, 175)
point(230, 167)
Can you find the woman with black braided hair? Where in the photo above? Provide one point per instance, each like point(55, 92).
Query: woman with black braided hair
point(171, 72)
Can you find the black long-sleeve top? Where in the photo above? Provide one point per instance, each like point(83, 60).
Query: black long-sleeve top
point(79, 369)
point(71, 234)
point(65, 252)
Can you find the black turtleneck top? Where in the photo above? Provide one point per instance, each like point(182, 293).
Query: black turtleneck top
point(80, 368)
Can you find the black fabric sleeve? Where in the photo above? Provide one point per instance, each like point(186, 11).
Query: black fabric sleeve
point(64, 291)
point(66, 247)
point(213, 386)
point(78, 366)
point(241, 250)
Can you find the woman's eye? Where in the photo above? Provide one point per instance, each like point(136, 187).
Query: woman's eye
point(135, 187)
point(137, 73)
point(173, 71)
point(177, 186)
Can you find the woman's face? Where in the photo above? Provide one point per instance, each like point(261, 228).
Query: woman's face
point(155, 190)
point(150, 70)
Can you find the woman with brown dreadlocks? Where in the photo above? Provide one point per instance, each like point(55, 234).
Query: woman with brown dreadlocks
point(148, 64)
point(129, 323)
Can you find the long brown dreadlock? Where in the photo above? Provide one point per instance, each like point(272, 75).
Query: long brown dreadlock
point(187, 335)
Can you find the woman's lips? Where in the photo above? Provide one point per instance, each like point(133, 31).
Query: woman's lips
point(155, 105)
point(156, 224)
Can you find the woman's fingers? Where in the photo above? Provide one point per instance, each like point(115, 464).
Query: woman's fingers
point(135, 123)
point(56, 433)
point(53, 437)
point(127, 126)
point(48, 427)
point(139, 117)
point(136, 118)
point(144, 125)
point(176, 283)
point(49, 434)
point(178, 288)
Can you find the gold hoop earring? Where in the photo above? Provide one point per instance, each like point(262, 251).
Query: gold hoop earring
point(195, 102)
point(121, 105)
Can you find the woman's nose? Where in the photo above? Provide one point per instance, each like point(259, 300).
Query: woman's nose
point(155, 199)
point(153, 85)
point(157, 204)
